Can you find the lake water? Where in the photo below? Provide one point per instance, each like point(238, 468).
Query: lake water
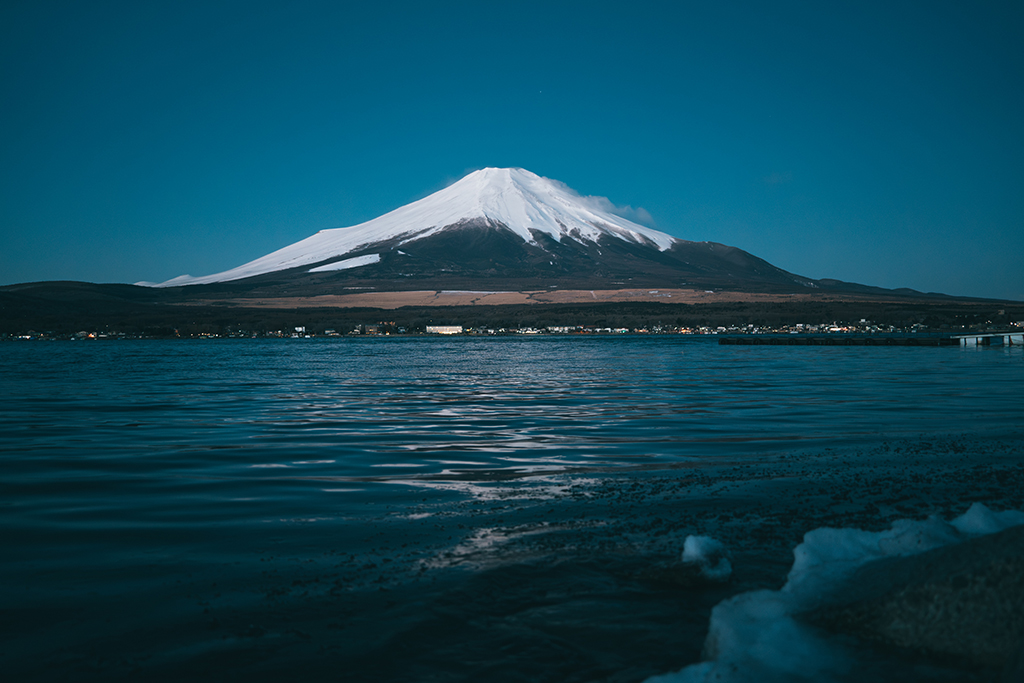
point(502, 509)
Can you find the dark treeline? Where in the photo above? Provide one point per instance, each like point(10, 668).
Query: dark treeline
point(110, 311)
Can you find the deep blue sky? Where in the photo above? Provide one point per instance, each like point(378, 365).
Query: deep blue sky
point(875, 142)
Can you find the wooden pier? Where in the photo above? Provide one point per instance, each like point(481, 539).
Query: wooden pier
point(1013, 338)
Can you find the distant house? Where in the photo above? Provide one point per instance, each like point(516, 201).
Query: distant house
point(444, 329)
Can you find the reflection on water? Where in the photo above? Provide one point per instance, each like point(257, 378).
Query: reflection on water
point(346, 407)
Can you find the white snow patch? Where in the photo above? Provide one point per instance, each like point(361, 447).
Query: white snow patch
point(753, 636)
point(469, 291)
point(348, 263)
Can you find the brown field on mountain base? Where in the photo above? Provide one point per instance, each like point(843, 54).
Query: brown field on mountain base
point(393, 300)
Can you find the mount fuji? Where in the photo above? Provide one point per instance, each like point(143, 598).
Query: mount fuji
point(500, 228)
point(496, 242)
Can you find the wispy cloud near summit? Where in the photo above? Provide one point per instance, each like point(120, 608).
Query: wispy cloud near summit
point(637, 215)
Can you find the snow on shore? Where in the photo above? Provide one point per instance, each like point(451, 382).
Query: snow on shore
point(754, 635)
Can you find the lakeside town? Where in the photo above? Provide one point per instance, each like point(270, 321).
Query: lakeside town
point(388, 329)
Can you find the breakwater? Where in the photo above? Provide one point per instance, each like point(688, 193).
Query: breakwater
point(837, 340)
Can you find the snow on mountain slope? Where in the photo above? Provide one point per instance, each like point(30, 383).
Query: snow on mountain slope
point(348, 263)
point(520, 200)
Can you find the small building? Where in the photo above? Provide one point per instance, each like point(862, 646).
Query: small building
point(444, 329)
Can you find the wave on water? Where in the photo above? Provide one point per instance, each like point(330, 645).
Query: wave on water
point(896, 587)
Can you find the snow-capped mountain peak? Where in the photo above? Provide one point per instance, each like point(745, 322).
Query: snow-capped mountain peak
point(524, 201)
point(510, 198)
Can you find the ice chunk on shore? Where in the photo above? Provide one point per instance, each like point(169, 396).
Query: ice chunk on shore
point(708, 556)
point(980, 520)
point(754, 635)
